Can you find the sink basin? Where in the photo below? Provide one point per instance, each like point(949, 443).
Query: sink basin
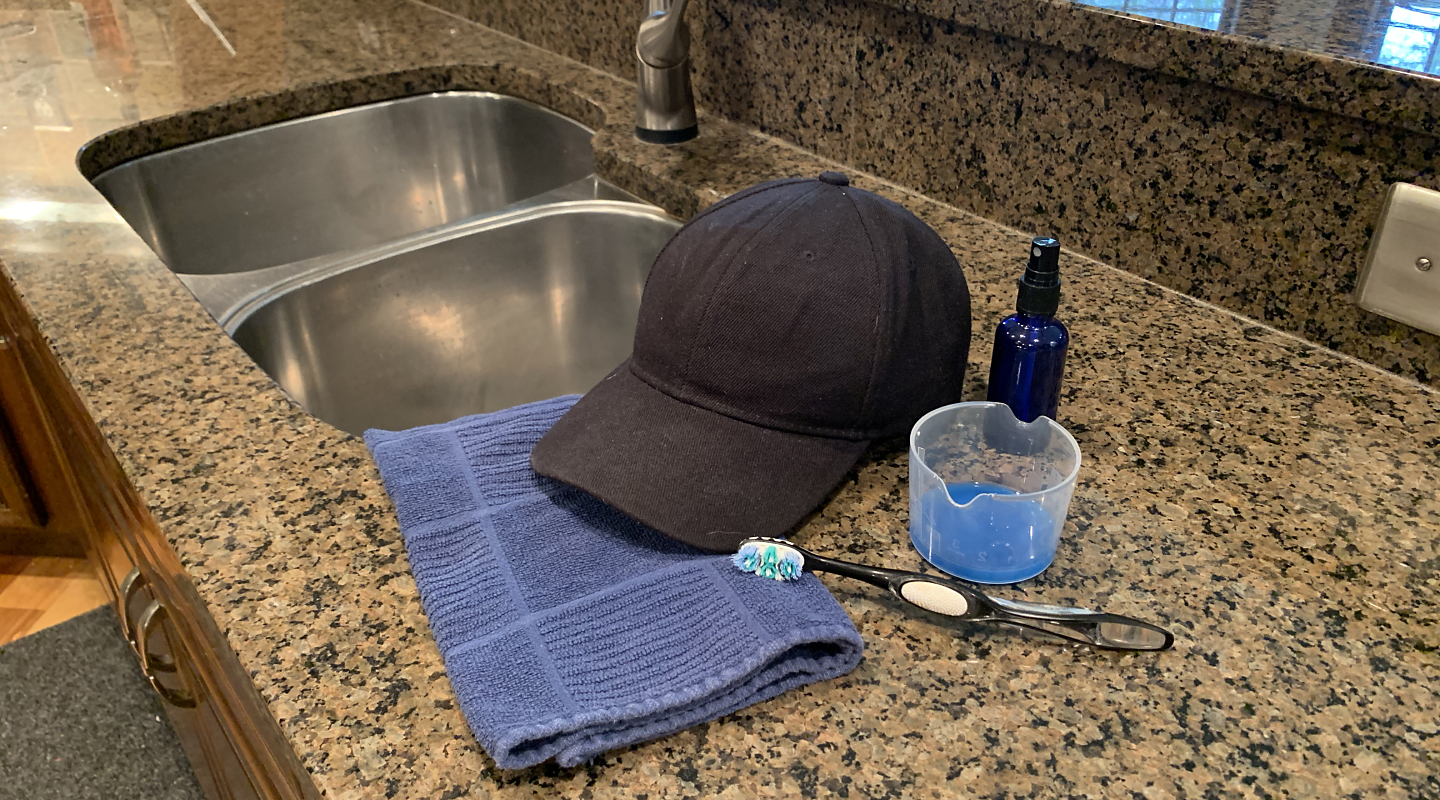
point(407, 262)
point(539, 305)
point(344, 180)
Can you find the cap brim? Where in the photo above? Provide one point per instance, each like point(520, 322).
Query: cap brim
point(704, 478)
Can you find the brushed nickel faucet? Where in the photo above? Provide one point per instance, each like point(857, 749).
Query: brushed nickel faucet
point(665, 109)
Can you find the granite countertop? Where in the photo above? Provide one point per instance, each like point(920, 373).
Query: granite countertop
point(1361, 58)
point(1270, 501)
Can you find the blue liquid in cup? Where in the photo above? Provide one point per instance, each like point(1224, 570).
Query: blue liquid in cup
point(991, 540)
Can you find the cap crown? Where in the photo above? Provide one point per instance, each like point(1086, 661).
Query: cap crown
point(808, 307)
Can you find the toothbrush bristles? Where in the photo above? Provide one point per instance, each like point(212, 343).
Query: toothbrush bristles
point(769, 561)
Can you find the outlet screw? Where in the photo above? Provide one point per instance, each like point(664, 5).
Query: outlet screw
point(1423, 264)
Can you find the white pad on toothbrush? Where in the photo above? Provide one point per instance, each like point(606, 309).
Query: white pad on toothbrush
point(934, 597)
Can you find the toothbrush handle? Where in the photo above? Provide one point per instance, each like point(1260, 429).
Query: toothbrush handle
point(875, 576)
point(940, 595)
point(1095, 628)
point(962, 601)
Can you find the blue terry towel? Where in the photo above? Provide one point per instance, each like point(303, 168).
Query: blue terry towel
point(569, 629)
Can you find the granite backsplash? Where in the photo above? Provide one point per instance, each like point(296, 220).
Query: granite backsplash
point(1259, 205)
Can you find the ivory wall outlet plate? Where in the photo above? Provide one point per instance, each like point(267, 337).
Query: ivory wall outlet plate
point(1401, 277)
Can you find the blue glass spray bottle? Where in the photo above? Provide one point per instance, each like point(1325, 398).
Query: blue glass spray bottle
point(1029, 358)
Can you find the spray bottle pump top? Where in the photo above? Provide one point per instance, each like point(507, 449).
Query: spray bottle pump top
point(1040, 287)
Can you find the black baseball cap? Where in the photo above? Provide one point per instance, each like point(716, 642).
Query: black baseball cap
point(781, 331)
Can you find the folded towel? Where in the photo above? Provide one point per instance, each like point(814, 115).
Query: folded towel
point(568, 628)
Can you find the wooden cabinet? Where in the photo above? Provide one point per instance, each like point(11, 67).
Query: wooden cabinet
point(169, 663)
point(235, 746)
point(18, 512)
point(37, 515)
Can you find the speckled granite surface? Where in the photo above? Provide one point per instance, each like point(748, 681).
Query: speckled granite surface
point(1272, 501)
point(1261, 206)
point(1323, 55)
point(1329, 56)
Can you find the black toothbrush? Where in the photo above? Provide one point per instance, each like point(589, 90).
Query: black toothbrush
point(780, 560)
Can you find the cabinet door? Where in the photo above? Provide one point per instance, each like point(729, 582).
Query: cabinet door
point(37, 509)
point(17, 505)
point(18, 509)
point(166, 661)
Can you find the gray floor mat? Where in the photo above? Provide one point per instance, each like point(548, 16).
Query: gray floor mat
point(78, 721)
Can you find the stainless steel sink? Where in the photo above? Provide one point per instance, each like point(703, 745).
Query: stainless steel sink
point(537, 306)
point(344, 180)
point(406, 262)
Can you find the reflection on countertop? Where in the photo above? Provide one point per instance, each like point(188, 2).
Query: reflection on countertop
point(1270, 501)
point(1208, 15)
point(1402, 35)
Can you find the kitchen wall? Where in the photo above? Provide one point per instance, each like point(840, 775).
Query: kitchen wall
point(1254, 204)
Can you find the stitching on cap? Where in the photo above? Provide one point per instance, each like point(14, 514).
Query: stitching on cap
point(874, 345)
point(703, 325)
point(713, 207)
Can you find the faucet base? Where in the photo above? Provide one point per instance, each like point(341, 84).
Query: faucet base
point(664, 103)
point(650, 136)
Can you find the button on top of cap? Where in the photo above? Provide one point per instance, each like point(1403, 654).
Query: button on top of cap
point(834, 179)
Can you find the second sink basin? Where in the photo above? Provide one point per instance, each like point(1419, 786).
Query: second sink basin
point(541, 305)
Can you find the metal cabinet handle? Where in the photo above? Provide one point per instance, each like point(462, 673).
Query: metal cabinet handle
point(134, 579)
point(175, 697)
point(128, 587)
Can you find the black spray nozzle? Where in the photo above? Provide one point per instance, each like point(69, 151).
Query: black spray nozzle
point(1040, 287)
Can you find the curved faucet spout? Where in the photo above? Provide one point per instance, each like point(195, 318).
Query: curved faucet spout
point(664, 41)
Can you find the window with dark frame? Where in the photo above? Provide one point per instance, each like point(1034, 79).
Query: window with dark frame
point(1411, 33)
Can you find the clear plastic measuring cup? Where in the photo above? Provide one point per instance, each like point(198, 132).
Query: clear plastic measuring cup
point(989, 493)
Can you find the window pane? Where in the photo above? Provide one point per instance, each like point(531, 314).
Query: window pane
point(1406, 48)
point(1410, 16)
